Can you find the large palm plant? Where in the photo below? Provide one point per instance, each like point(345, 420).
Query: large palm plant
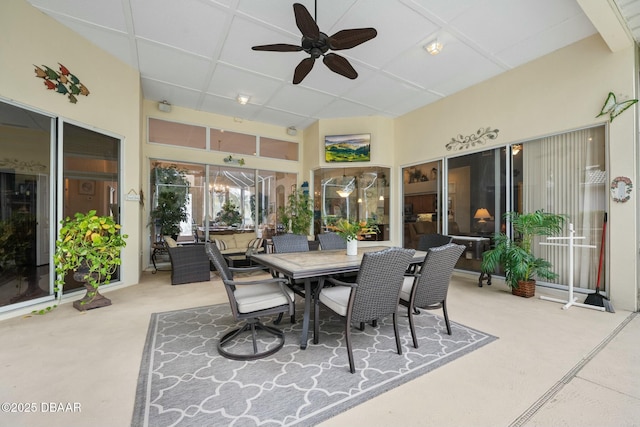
point(515, 255)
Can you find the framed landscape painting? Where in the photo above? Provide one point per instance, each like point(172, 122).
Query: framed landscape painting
point(347, 148)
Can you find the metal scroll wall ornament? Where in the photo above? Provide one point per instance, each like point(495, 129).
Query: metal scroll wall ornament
point(63, 82)
point(480, 137)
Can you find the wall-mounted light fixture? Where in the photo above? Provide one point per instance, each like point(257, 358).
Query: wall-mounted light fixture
point(434, 47)
point(243, 99)
point(164, 106)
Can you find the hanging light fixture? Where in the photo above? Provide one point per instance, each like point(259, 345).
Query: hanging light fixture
point(347, 187)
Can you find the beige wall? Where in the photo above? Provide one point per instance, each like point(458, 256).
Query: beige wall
point(29, 37)
point(559, 92)
point(562, 91)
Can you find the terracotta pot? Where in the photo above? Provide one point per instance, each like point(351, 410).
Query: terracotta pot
point(525, 289)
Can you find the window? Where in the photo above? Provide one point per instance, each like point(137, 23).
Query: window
point(178, 134)
point(354, 193)
point(278, 149)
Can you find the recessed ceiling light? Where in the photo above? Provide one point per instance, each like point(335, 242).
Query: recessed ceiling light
point(243, 99)
point(434, 47)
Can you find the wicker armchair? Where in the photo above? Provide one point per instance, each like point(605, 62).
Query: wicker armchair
point(373, 296)
point(331, 240)
point(189, 263)
point(249, 301)
point(428, 288)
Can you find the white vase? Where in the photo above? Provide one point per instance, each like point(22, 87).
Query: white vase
point(352, 247)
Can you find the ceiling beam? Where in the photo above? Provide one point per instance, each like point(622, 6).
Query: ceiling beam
point(604, 15)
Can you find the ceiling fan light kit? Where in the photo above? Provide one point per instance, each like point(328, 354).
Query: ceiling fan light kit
point(317, 44)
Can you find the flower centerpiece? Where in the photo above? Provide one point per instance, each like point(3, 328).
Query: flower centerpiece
point(355, 230)
point(352, 231)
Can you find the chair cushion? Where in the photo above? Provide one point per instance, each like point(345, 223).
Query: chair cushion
point(407, 285)
point(336, 298)
point(252, 298)
point(221, 244)
point(255, 243)
point(171, 243)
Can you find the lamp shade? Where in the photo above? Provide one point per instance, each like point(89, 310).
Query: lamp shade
point(482, 215)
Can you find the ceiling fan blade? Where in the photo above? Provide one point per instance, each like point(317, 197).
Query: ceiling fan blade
point(303, 68)
point(347, 39)
point(279, 47)
point(305, 22)
point(340, 65)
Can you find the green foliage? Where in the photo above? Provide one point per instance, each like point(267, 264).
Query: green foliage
point(298, 211)
point(354, 230)
point(515, 255)
point(16, 239)
point(173, 190)
point(230, 214)
point(90, 242)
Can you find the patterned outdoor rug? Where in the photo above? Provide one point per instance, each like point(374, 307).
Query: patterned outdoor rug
point(185, 382)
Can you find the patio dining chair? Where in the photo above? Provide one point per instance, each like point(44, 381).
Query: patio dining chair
point(373, 296)
point(290, 242)
point(329, 241)
point(250, 300)
point(428, 288)
point(433, 240)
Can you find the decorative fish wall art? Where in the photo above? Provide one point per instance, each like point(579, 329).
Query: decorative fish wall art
point(63, 82)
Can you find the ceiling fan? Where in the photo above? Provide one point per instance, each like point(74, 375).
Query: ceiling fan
point(317, 44)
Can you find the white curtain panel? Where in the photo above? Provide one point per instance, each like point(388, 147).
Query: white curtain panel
point(565, 174)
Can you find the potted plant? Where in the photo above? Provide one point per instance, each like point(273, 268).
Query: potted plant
point(229, 215)
point(171, 192)
point(89, 246)
point(352, 231)
point(515, 256)
point(297, 215)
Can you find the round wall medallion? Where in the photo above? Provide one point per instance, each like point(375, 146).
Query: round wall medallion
point(621, 187)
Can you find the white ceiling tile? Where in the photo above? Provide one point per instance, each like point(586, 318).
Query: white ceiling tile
point(156, 62)
point(225, 83)
point(109, 14)
point(381, 92)
point(161, 91)
point(344, 108)
point(445, 10)
point(399, 28)
point(191, 25)
point(570, 31)
point(114, 42)
point(299, 100)
point(244, 34)
point(197, 53)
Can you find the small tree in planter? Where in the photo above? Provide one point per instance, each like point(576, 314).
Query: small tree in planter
point(297, 213)
point(516, 258)
point(89, 245)
point(172, 192)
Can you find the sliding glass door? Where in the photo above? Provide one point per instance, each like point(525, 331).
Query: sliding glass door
point(26, 141)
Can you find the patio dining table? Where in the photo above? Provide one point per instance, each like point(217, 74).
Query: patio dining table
point(310, 265)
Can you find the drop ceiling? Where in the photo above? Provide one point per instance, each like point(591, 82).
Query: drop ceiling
point(197, 53)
